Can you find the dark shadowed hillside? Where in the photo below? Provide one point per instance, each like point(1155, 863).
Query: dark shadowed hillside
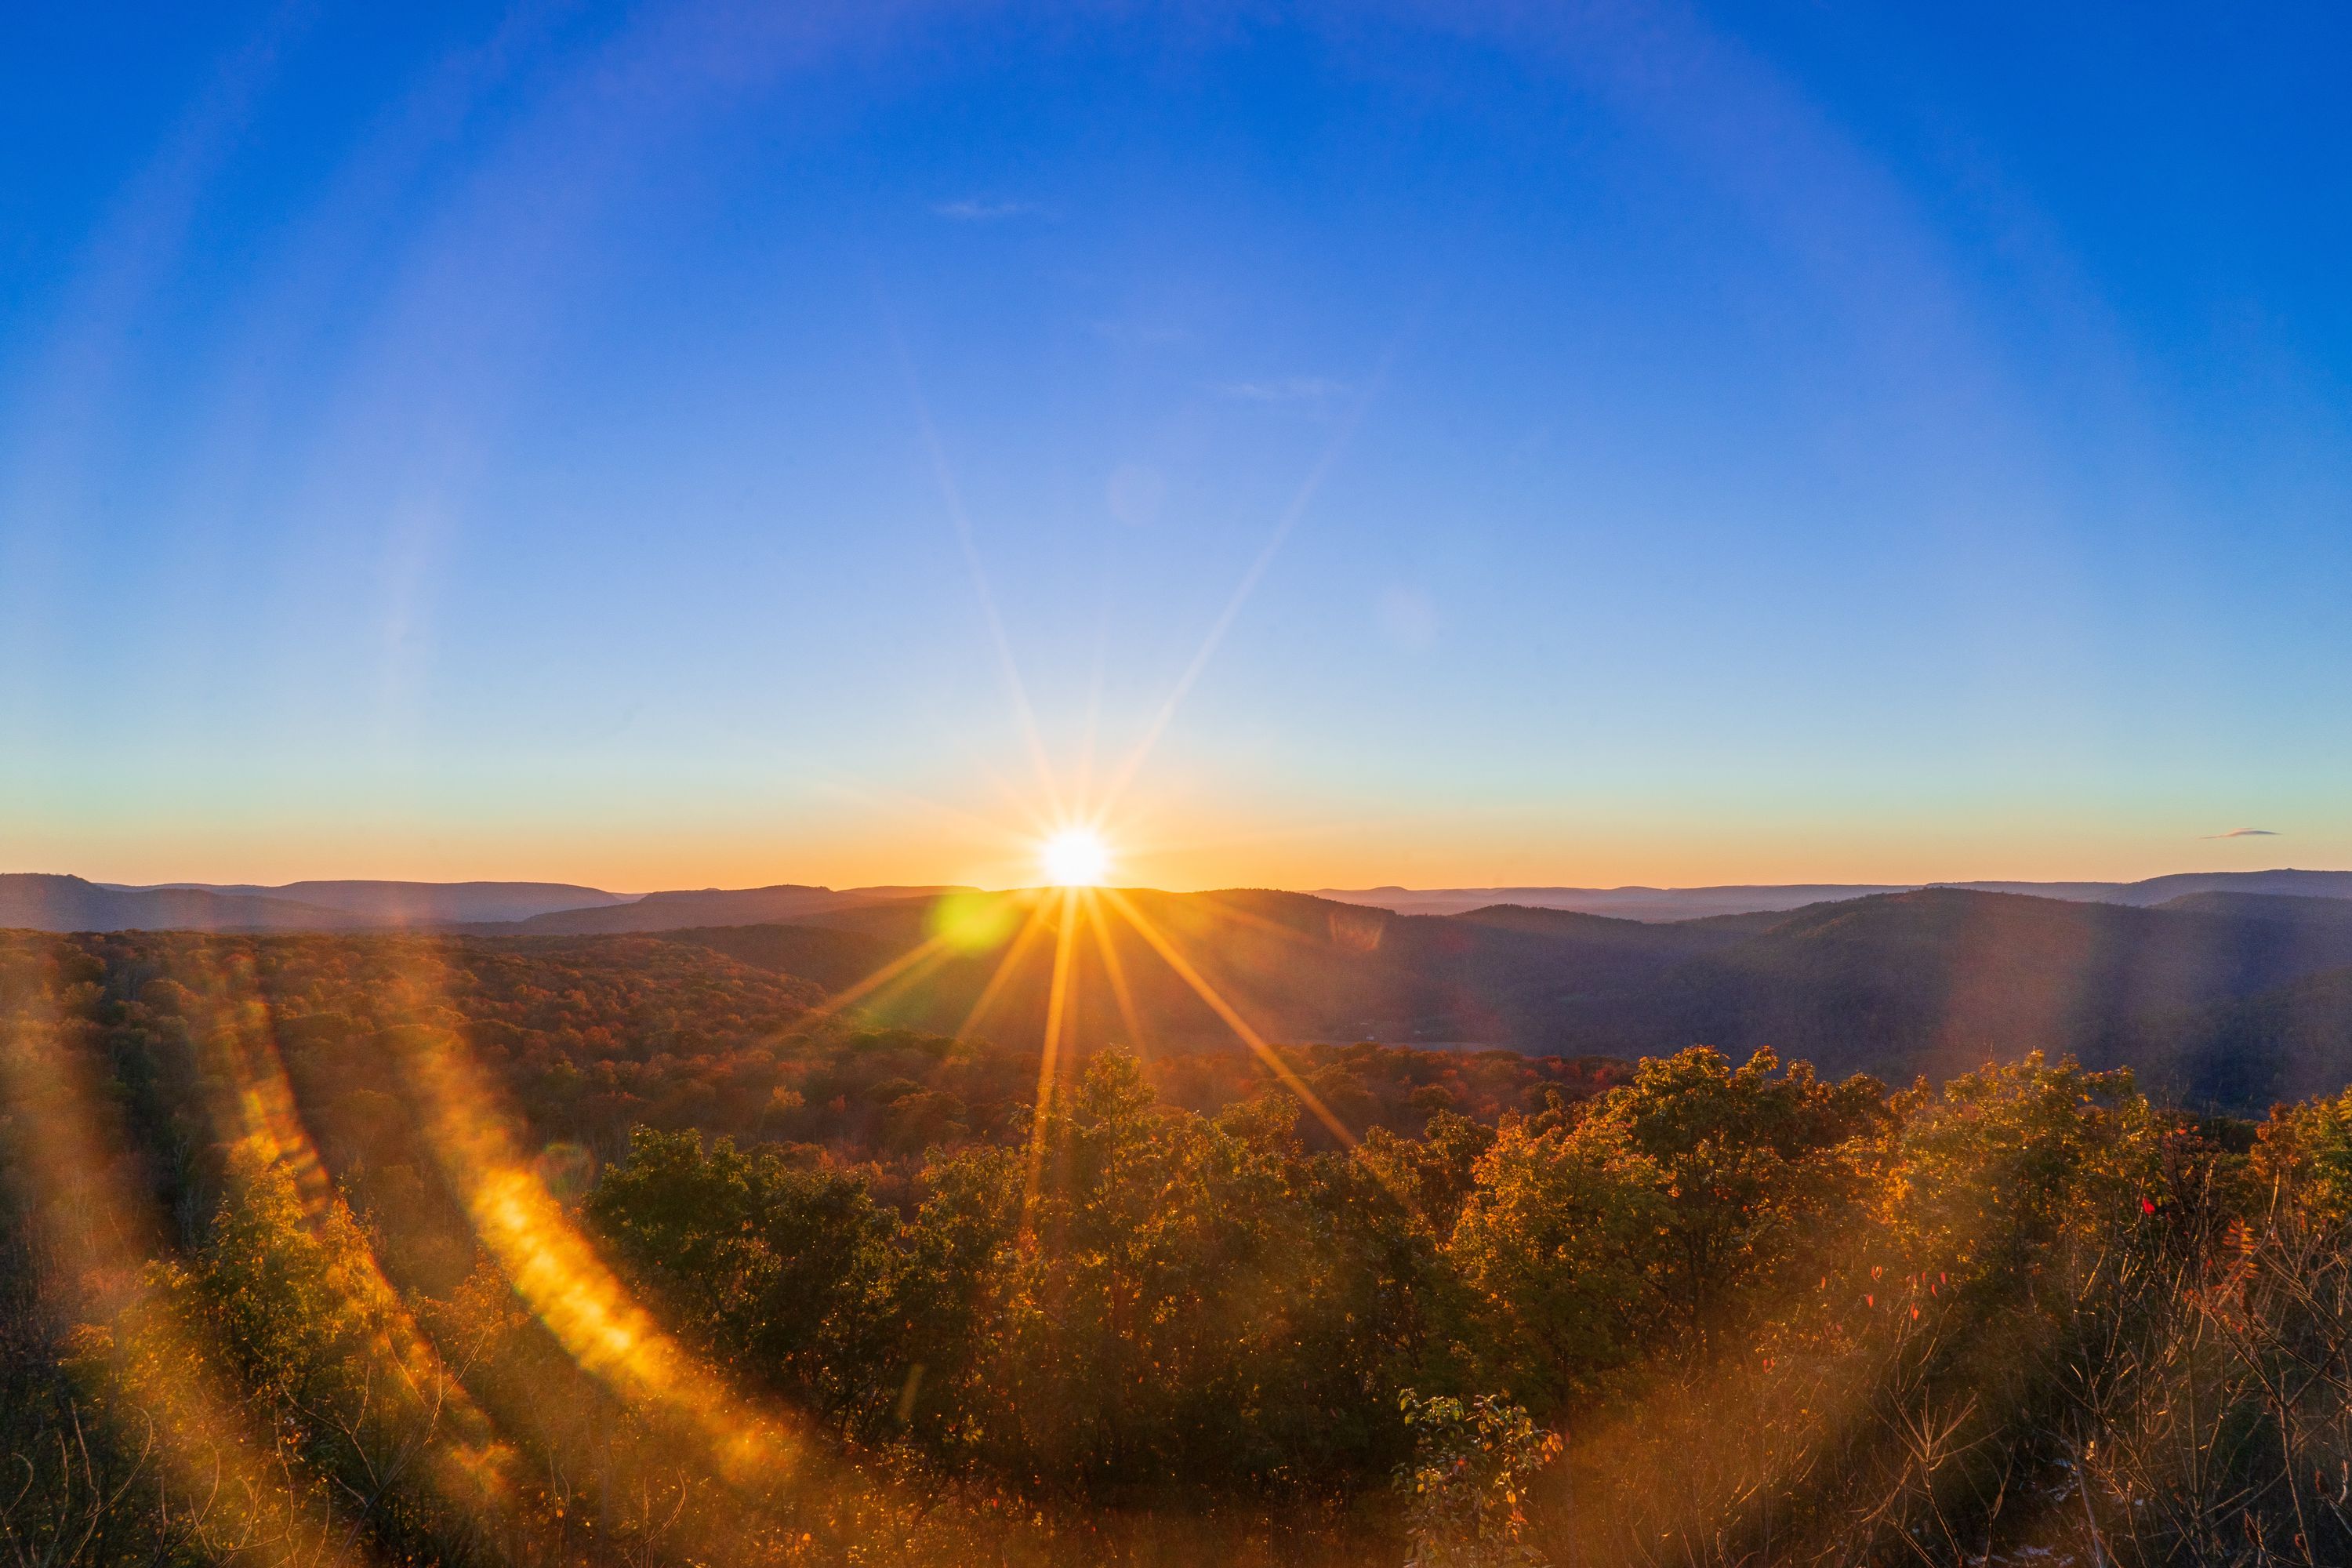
point(2287, 1043)
point(1296, 967)
point(1931, 982)
point(2293, 908)
point(1939, 980)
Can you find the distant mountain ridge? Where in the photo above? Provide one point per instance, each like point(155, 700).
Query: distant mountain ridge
point(64, 903)
point(785, 903)
point(2285, 883)
point(1632, 903)
point(414, 903)
point(40, 902)
point(1657, 904)
point(52, 902)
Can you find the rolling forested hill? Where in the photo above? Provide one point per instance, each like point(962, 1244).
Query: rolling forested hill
point(1933, 982)
point(2218, 996)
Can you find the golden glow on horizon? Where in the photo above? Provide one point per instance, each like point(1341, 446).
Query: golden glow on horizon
point(1074, 858)
point(1198, 833)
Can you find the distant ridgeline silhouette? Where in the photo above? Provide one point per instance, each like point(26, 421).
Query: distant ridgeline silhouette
point(60, 903)
point(1638, 903)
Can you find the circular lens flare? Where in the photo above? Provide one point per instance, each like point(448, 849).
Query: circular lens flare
point(1074, 858)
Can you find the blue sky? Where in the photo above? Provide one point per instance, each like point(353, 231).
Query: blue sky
point(1790, 442)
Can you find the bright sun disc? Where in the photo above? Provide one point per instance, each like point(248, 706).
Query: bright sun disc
point(1074, 858)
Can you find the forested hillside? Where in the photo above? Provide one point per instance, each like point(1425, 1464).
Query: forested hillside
point(2206, 1000)
point(343, 1249)
point(2220, 998)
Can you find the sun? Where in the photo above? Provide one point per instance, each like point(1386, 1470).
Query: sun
point(1074, 858)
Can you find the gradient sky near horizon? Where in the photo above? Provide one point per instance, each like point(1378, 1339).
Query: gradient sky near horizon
point(1509, 444)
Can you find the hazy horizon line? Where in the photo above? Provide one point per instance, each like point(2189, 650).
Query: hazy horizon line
point(1883, 885)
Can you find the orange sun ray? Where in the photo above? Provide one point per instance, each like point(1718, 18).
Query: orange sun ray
point(1115, 972)
point(878, 989)
point(1057, 997)
point(1232, 1019)
point(1004, 968)
point(1256, 922)
point(908, 966)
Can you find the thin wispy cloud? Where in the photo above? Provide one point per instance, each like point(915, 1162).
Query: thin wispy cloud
point(1287, 389)
point(2243, 833)
point(971, 209)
